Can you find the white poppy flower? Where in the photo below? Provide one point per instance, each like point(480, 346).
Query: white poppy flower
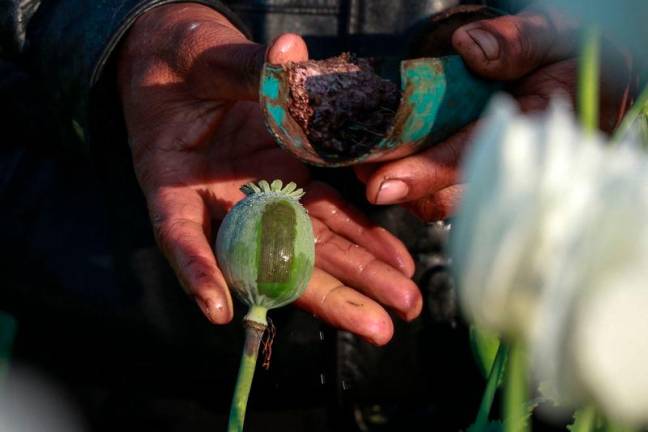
point(590, 338)
point(610, 348)
point(551, 245)
point(517, 175)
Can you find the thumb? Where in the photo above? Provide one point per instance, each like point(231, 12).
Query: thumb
point(288, 47)
point(509, 47)
point(234, 69)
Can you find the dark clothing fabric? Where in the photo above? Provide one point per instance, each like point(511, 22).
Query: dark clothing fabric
point(14, 18)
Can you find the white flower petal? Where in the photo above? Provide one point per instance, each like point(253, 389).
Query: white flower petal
point(611, 347)
point(553, 222)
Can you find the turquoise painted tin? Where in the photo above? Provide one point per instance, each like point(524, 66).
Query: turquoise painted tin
point(439, 97)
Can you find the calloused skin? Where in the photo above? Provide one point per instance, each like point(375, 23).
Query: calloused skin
point(188, 84)
point(534, 53)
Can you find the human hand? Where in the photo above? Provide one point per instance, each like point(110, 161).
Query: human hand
point(533, 52)
point(188, 81)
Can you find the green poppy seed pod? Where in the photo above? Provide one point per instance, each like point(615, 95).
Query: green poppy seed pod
point(265, 246)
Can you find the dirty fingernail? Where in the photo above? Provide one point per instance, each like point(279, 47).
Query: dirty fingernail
point(287, 47)
point(486, 42)
point(203, 304)
point(391, 191)
point(216, 312)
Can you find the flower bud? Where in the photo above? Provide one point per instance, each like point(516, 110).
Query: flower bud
point(265, 245)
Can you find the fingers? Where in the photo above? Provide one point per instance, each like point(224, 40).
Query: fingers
point(238, 65)
point(325, 204)
point(346, 309)
point(357, 267)
point(230, 71)
point(439, 205)
point(508, 47)
point(288, 47)
point(360, 254)
point(180, 223)
point(534, 91)
point(421, 174)
point(364, 171)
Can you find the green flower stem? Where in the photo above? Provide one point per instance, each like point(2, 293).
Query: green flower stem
point(638, 109)
point(613, 427)
point(494, 378)
point(584, 420)
point(255, 325)
point(516, 410)
point(484, 345)
point(588, 80)
point(258, 315)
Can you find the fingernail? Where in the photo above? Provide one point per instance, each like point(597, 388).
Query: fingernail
point(486, 42)
point(391, 191)
point(287, 47)
point(204, 306)
point(216, 312)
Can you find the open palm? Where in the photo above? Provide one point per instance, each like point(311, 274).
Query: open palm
point(195, 141)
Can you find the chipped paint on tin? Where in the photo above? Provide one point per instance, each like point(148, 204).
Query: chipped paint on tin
point(439, 97)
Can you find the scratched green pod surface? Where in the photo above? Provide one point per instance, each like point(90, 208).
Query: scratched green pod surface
point(439, 97)
point(265, 245)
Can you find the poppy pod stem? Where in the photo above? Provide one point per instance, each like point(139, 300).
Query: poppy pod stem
point(266, 251)
point(255, 325)
point(516, 391)
point(588, 80)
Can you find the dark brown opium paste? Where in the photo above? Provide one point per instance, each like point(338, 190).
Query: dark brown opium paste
point(342, 105)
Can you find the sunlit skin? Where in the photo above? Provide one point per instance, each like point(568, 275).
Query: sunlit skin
point(188, 84)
